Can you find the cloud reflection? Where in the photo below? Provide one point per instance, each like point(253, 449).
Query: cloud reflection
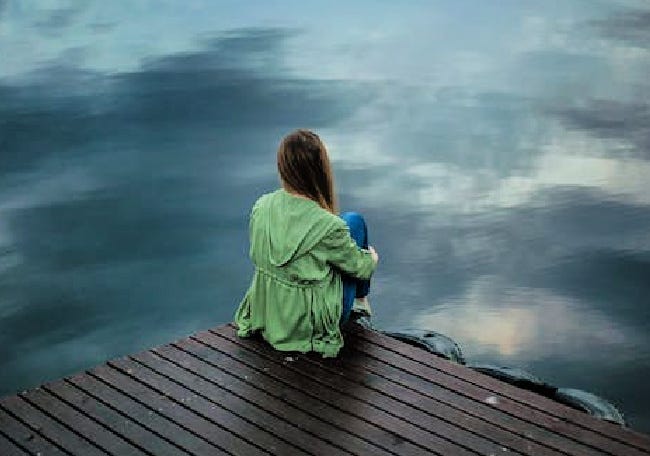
point(125, 195)
point(499, 154)
point(523, 325)
point(55, 20)
point(631, 27)
point(612, 119)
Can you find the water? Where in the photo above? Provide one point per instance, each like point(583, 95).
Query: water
point(500, 153)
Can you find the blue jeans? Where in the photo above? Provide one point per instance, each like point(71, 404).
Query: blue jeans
point(352, 287)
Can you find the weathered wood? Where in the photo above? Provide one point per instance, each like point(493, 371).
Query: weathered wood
point(205, 396)
point(527, 398)
point(118, 375)
point(509, 430)
point(146, 416)
point(120, 424)
point(82, 425)
point(40, 422)
point(409, 405)
point(9, 448)
point(317, 417)
point(278, 416)
point(27, 437)
point(425, 423)
point(475, 390)
point(385, 429)
point(432, 390)
point(216, 394)
point(314, 417)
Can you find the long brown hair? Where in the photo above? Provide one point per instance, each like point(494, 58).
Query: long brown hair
point(305, 169)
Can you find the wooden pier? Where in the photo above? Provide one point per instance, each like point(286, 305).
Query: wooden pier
point(213, 394)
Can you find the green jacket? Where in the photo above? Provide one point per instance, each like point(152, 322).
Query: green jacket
point(295, 298)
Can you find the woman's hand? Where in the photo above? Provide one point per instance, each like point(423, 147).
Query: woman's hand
point(373, 253)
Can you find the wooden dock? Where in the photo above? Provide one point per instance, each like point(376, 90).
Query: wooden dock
point(213, 394)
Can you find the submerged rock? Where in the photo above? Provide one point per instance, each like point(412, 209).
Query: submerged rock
point(433, 342)
point(517, 377)
point(590, 403)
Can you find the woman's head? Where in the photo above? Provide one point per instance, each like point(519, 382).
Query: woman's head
point(304, 168)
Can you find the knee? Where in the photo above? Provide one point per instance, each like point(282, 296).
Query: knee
point(357, 225)
point(353, 219)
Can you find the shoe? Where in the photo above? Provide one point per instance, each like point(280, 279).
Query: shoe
point(363, 321)
point(361, 306)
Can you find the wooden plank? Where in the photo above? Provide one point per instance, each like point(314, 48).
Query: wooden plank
point(391, 429)
point(145, 415)
point(26, 437)
point(410, 405)
point(108, 441)
point(241, 435)
point(9, 448)
point(373, 425)
point(528, 398)
point(361, 434)
point(240, 398)
point(386, 377)
point(314, 416)
point(206, 394)
point(474, 391)
point(423, 421)
point(120, 424)
point(49, 428)
point(166, 406)
point(217, 394)
point(429, 394)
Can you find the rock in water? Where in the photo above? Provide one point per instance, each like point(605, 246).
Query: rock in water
point(517, 377)
point(433, 342)
point(590, 403)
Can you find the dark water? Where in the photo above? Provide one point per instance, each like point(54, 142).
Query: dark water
point(501, 154)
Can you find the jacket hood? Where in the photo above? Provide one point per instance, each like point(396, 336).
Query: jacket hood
point(291, 225)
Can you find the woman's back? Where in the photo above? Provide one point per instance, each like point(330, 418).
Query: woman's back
point(284, 229)
point(295, 298)
point(300, 250)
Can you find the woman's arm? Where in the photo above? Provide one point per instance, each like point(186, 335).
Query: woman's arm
point(340, 250)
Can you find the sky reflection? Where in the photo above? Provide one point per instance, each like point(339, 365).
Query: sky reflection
point(500, 154)
point(524, 325)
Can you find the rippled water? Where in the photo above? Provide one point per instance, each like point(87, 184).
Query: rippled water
point(501, 154)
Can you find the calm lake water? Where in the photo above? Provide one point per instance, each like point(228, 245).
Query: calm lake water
point(500, 151)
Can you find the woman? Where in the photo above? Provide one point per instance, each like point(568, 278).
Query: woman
point(308, 267)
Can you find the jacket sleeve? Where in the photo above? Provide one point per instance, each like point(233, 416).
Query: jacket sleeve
point(340, 250)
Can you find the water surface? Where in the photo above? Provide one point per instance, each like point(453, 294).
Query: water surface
point(501, 154)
